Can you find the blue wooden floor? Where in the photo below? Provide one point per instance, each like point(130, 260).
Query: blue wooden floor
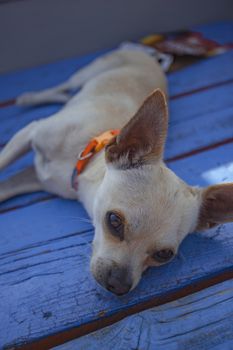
point(47, 294)
point(200, 321)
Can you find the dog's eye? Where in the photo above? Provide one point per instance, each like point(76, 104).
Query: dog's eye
point(115, 224)
point(163, 255)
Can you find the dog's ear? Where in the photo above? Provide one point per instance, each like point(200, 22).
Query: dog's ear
point(217, 206)
point(142, 139)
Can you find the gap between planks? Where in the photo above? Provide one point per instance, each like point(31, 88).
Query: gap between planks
point(35, 201)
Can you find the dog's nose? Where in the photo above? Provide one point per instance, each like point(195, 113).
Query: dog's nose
point(119, 281)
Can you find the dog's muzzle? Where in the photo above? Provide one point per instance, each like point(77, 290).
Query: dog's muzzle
point(119, 281)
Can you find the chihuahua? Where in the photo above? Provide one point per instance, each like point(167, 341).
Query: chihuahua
point(140, 209)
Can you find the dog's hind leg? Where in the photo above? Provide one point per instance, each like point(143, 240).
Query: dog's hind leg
point(17, 146)
point(60, 93)
point(25, 181)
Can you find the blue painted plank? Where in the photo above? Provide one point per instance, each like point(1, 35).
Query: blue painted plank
point(44, 263)
point(206, 72)
point(13, 84)
point(49, 220)
point(25, 200)
point(221, 32)
point(200, 321)
point(203, 131)
point(206, 168)
point(211, 101)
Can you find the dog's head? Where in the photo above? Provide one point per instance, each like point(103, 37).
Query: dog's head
point(142, 210)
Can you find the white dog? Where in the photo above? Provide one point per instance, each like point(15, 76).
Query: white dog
point(141, 210)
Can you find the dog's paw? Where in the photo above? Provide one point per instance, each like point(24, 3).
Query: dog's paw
point(43, 97)
point(26, 99)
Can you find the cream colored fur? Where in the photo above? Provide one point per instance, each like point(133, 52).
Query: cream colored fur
point(159, 207)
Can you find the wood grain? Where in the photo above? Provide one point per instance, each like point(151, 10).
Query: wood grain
point(199, 321)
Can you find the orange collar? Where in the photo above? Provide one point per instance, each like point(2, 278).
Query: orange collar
point(93, 147)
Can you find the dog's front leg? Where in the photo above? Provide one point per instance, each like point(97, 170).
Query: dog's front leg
point(60, 93)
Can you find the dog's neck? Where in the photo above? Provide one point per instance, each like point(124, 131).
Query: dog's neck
point(90, 180)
